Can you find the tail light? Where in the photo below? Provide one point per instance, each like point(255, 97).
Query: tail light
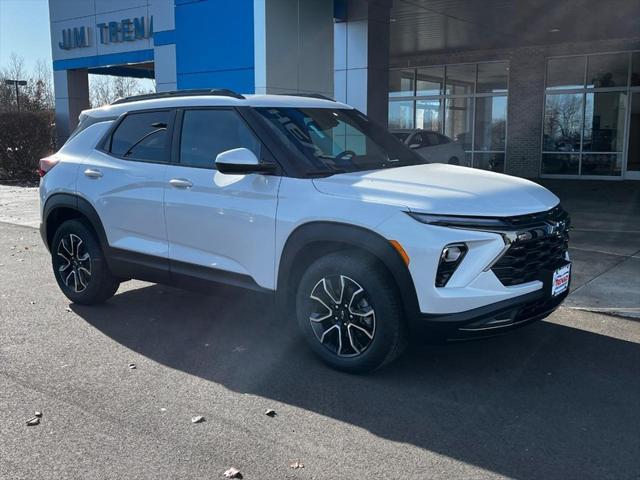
point(47, 164)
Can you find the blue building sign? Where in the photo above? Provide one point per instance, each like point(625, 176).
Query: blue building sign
point(75, 37)
point(126, 30)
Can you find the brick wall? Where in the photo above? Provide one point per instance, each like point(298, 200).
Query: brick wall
point(526, 90)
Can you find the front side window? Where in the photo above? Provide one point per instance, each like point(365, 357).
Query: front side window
point(207, 133)
point(337, 140)
point(143, 136)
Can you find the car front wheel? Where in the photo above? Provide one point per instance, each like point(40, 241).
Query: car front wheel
point(349, 312)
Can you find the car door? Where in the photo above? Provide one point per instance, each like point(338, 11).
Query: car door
point(124, 181)
point(219, 226)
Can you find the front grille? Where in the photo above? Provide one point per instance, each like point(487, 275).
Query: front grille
point(542, 242)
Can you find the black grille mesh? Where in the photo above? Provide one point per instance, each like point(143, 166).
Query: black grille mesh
point(526, 259)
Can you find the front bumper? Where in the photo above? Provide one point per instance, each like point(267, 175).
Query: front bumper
point(489, 320)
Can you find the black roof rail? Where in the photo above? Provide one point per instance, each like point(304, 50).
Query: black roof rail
point(222, 92)
point(309, 95)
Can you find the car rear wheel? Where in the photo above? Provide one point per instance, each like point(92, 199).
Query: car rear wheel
point(79, 266)
point(349, 312)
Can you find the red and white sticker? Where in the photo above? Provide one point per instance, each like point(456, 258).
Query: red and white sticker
point(561, 280)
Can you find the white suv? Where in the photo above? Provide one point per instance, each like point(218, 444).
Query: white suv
point(358, 237)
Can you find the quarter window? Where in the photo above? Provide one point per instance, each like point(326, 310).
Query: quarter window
point(207, 133)
point(143, 136)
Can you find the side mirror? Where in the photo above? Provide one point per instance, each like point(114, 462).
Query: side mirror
point(241, 161)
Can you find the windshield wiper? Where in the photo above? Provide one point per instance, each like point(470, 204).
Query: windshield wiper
point(324, 173)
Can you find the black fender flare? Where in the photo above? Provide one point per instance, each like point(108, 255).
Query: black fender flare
point(73, 202)
point(327, 232)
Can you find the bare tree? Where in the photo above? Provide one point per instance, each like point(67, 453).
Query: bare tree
point(36, 95)
point(106, 89)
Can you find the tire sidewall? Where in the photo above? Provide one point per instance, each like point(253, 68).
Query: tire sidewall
point(99, 272)
point(381, 295)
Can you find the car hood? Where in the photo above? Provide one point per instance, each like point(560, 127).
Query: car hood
point(442, 189)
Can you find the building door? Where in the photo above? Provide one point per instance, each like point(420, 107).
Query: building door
point(633, 147)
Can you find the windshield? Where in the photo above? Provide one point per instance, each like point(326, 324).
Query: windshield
point(337, 140)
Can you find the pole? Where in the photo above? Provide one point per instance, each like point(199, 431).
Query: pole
point(17, 83)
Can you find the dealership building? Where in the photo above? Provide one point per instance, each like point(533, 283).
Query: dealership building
point(528, 87)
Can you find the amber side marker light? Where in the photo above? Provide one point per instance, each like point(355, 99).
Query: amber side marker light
point(400, 250)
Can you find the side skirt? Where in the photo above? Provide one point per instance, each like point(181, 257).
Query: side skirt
point(132, 265)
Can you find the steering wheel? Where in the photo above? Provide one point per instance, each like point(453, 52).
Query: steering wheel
point(339, 157)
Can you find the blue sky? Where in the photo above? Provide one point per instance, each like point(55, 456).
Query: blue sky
point(24, 29)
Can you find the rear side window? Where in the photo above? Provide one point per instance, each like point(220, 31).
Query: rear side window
point(206, 133)
point(143, 136)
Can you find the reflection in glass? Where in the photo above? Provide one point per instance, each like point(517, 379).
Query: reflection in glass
point(491, 123)
point(604, 122)
point(401, 82)
point(401, 114)
point(633, 152)
point(461, 79)
point(599, 164)
point(560, 163)
point(459, 120)
point(468, 159)
point(605, 71)
point(492, 77)
point(428, 115)
point(635, 69)
point(562, 123)
point(429, 81)
point(489, 161)
point(565, 72)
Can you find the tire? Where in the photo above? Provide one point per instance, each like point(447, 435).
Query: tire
point(454, 161)
point(370, 324)
point(79, 264)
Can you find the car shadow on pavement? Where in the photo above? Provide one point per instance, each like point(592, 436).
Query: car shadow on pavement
point(546, 401)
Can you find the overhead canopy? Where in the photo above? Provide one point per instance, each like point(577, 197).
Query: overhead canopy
point(435, 26)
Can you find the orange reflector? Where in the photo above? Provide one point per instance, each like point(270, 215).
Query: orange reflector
point(400, 250)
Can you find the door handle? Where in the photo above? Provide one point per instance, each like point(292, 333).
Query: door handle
point(180, 183)
point(92, 173)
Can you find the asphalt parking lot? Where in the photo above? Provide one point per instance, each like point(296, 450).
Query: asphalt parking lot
point(556, 400)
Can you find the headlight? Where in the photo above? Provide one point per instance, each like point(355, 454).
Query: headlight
point(457, 221)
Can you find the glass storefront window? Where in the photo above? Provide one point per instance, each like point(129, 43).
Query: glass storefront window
point(493, 77)
point(428, 115)
point(489, 161)
point(491, 123)
point(401, 114)
point(584, 130)
point(604, 122)
point(565, 72)
point(401, 83)
point(466, 102)
point(605, 71)
point(459, 120)
point(635, 69)
point(561, 163)
point(601, 164)
point(562, 122)
point(461, 79)
point(429, 81)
